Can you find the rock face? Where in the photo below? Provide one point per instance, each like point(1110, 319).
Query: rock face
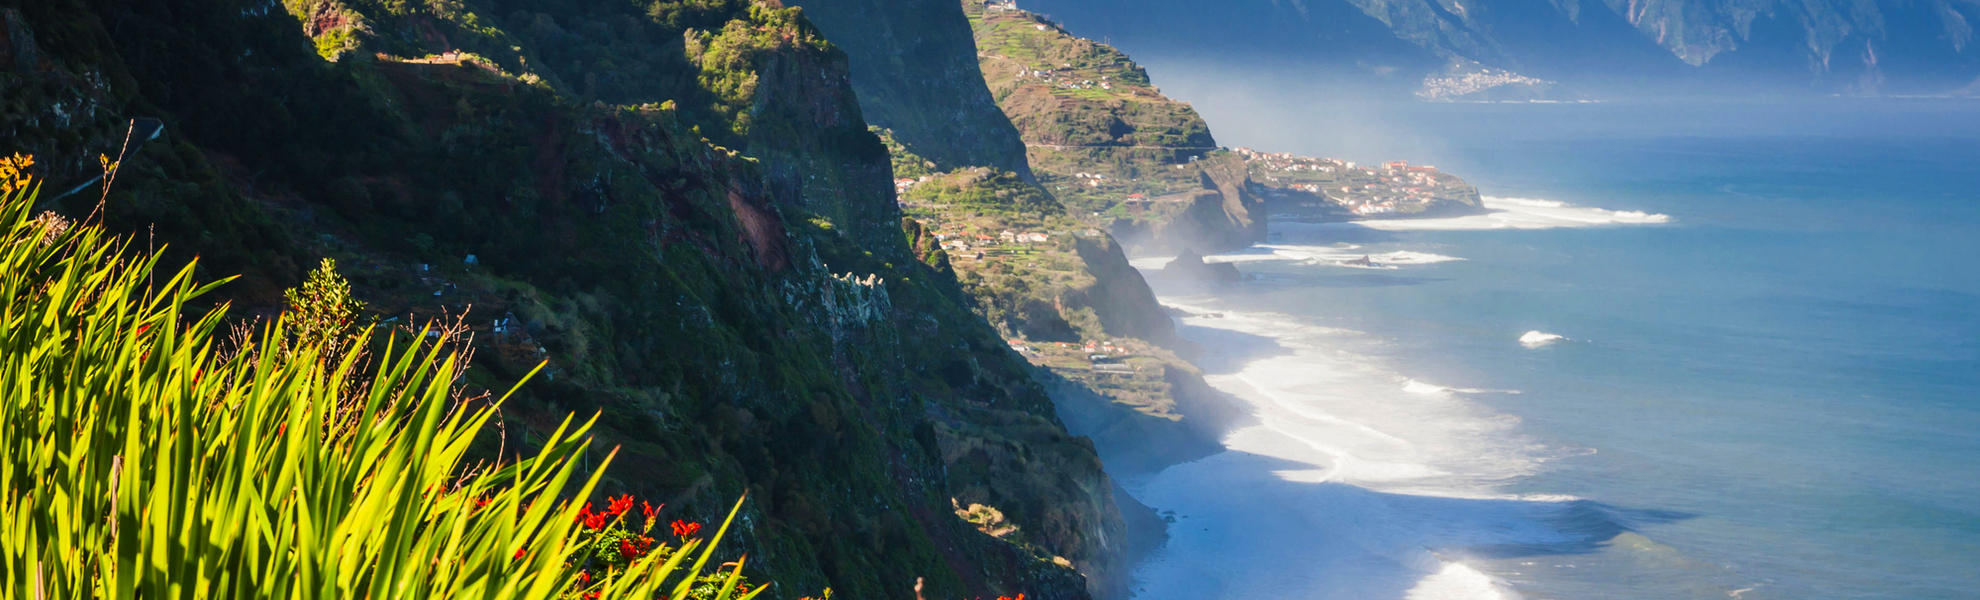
point(1075, 284)
point(915, 69)
point(1106, 141)
point(1120, 297)
point(1222, 213)
point(1608, 48)
point(1190, 266)
point(747, 315)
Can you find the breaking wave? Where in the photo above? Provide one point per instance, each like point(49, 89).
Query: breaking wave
point(1536, 338)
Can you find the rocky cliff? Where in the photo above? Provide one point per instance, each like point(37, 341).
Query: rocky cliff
point(1046, 280)
point(1106, 141)
point(1611, 48)
point(915, 69)
point(677, 205)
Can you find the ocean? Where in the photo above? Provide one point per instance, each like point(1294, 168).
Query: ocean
point(1697, 351)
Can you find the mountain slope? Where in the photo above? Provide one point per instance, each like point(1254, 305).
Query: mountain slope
point(1107, 142)
point(749, 318)
point(1610, 48)
point(916, 74)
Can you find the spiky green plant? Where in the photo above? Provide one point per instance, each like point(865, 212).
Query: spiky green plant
point(323, 311)
point(136, 461)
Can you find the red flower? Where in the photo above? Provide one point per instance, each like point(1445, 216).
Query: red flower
point(595, 521)
point(584, 513)
point(649, 510)
point(627, 551)
point(519, 553)
point(684, 529)
point(584, 578)
point(620, 505)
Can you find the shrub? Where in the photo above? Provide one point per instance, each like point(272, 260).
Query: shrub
point(139, 461)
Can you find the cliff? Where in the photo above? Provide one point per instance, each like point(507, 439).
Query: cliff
point(914, 65)
point(1563, 48)
point(1038, 267)
point(678, 206)
point(1106, 141)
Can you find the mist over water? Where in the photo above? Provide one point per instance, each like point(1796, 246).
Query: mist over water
point(1706, 351)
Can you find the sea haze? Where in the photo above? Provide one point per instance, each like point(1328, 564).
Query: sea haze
point(1737, 356)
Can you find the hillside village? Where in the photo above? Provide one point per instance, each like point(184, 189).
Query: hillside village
point(1106, 142)
point(1479, 83)
point(1306, 188)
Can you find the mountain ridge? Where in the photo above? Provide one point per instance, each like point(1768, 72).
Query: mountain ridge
point(1610, 49)
point(698, 236)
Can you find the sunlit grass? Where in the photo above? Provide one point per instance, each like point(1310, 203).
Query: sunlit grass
point(144, 453)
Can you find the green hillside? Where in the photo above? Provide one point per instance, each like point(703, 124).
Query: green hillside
point(1104, 140)
point(677, 205)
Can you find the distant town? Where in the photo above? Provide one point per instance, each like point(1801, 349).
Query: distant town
point(1301, 187)
point(1459, 85)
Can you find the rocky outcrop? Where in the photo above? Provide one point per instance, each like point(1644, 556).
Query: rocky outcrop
point(1189, 266)
point(1221, 214)
point(1108, 143)
point(1120, 296)
point(915, 69)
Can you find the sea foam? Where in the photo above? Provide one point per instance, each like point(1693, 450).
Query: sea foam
point(1535, 339)
point(1458, 580)
point(1508, 213)
point(1348, 255)
point(1353, 476)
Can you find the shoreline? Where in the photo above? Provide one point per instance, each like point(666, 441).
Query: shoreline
point(1379, 513)
point(1351, 479)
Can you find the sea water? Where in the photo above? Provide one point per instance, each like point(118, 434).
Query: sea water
point(1702, 362)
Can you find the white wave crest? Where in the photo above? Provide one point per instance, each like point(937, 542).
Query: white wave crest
point(1511, 213)
point(1458, 581)
point(1418, 387)
point(1341, 255)
point(1536, 338)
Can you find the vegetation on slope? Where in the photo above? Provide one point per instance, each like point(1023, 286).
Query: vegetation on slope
point(150, 453)
point(744, 319)
point(1105, 141)
point(1065, 297)
point(917, 75)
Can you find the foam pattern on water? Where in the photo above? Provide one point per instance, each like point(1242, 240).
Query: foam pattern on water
point(1356, 481)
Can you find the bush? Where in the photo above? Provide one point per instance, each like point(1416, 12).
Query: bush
point(137, 459)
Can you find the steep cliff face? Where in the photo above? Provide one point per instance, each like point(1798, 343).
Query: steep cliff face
point(1605, 48)
point(751, 320)
point(915, 69)
point(1106, 141)
point(1054, 287)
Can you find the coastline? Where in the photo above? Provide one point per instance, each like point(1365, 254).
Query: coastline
point(1338, 500)
point(1351, 479)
